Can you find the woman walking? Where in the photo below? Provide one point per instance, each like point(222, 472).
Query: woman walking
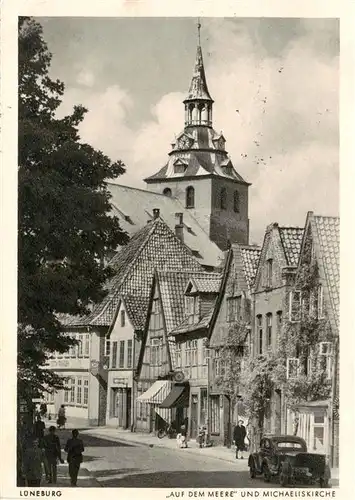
point(61, 417)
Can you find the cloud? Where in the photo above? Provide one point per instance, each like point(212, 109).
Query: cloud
point(280, 109)
point(85, 78)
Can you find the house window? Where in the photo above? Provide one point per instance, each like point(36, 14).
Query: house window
point(190, 197)
point(79, 391)
point(320, 302)
point(86, 392)
point(223, 199)
point(234, 309)
point(122, 346)
point(167, 192)
point(205, 355)
point(191, 353)
point(129, 353)
point(269, 330)
point(80, 346)
point(72, 391)
point(215, 415)
point(67, 391)
point(292, 367)
point(178, 355)
point(87, 345)
point(123, 318)
point(191, 307)
point(295, 301)
point(217, 363)
point(155, 316)
point(325, 352)
point(72, 349)
point(279, 320)
point(156, 351)
point(259, 328)
point(269, 273)
point(312, 304)
point(107, 347)
point(236, 202)
point(114, 355)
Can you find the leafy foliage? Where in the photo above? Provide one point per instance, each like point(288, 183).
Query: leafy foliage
point(64, 230)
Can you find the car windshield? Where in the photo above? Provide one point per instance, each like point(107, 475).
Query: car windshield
point(289, 444)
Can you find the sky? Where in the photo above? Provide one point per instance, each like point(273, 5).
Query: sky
point(274, 83)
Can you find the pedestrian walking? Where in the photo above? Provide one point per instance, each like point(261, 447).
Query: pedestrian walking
point(52, 454)
point(239, 438)
point(32, 463)
point(61, 417)
point(75, 449)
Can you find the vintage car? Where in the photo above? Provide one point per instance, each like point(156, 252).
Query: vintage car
point(286, 458)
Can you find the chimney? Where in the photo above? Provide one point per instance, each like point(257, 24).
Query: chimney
point(179, 226)
point(156, 213)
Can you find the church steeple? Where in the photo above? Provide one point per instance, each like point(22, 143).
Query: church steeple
point(198, 104)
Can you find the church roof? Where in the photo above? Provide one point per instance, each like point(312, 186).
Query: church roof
point(198, 87)
point(134, 207)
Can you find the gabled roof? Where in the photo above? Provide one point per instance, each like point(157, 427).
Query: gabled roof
point(154, 245)
point(186, 327)
point(291, 238)
point(172, 286)
point(134, 207)
point(250, 257)
point(209, 283)
point(245, 260)
point(289, 242)
point(326, 240)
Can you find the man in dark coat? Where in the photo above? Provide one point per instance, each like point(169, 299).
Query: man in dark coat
point(52, 452)
point(239, 437)
point(74, 448)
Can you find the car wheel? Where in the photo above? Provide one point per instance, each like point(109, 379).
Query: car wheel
point(283, 479)
point(266, 472)
point(252, 471)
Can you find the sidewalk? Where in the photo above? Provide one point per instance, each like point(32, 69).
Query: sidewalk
point(143, 439)
point(85, 479)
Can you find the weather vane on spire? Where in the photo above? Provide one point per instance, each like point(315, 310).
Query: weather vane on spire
point(198, 30)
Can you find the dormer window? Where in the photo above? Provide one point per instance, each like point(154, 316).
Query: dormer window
point(190, 197)
point(179, 167)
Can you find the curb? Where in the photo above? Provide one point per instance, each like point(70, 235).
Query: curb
point(149, 445)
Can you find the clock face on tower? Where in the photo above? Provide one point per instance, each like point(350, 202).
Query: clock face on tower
point(184, 142)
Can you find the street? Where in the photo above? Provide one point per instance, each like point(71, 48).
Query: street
point(121, 464)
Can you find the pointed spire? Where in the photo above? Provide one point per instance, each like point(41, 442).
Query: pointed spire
point(198, 87)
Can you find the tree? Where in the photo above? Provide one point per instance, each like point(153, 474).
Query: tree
point(64, 226)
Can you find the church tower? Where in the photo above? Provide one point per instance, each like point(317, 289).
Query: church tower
point(199, 172)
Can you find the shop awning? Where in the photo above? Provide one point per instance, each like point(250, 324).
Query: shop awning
point(178, 397)
point(156, 393)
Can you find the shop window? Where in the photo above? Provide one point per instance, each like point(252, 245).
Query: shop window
point(215, 415)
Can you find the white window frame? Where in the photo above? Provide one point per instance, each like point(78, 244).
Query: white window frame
point(129, 353)
point(86, 345)
point(288, 363)
point(178, 355)
point(292, 301)
point(325, 348)
point(79, 385)
point(122, 354)
point(85, 391)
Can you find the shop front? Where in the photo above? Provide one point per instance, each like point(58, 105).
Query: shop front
point(119, 399)
point(149, 416)
point(175, 406)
